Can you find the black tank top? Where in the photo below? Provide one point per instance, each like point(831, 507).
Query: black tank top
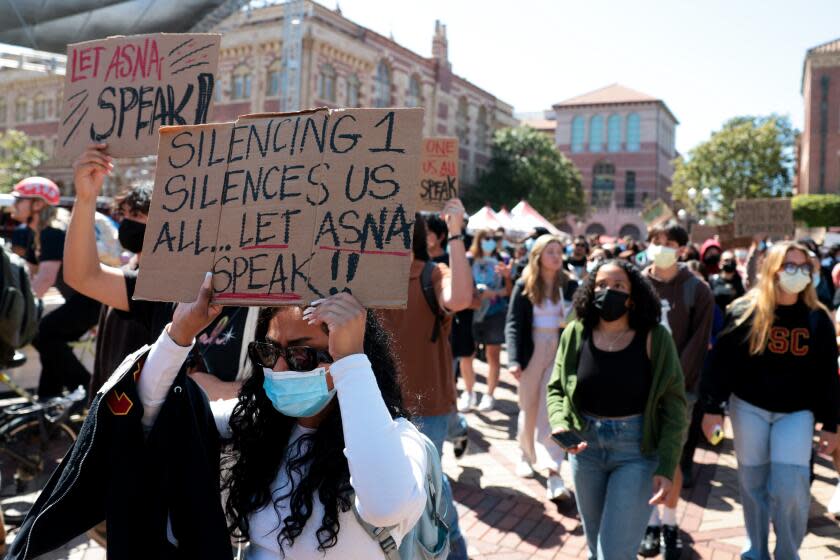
point(613, 384)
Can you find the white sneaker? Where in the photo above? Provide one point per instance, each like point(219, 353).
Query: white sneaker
point(555, 490)
point(834, 503)
point(487, 403)
point(467, 401)
point(524, 469)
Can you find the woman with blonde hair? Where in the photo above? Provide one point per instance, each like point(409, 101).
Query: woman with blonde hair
point(537, 313)
point(776, 364)
point(492, 279)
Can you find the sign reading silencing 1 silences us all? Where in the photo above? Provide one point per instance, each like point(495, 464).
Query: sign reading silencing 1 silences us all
point(285, 208)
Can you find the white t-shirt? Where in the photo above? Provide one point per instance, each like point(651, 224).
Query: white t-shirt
point(386, 458)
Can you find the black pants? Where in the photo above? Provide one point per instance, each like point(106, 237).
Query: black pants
point(59, 366)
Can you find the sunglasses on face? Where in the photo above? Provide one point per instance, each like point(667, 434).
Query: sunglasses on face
point(298, 358)
point(791, 268)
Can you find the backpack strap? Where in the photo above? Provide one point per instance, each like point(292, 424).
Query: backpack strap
point(431, 297)
point(382, 535)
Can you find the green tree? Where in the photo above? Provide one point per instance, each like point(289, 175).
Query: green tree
point(817, 210)
point(18, 158)
point(750, 157)
point(526, 165)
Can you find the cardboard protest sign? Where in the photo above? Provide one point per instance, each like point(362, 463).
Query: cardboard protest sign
point(438, 173)
point(763, 216)
point(699, 233)
point(285, 208)
point(815, 233)
point(727, 239)
point(120, 90)
point(656, 213)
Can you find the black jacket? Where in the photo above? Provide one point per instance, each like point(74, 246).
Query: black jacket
point(134, 480)
point(519, 323)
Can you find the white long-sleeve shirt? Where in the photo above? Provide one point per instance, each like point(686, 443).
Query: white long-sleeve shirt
point(386, 458)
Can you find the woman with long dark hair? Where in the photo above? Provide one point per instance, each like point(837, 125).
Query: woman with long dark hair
point(616, 402)
point(538, 311)
point(776, 364)
point(322, 406)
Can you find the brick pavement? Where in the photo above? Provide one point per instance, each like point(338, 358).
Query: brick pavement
point(508, 518)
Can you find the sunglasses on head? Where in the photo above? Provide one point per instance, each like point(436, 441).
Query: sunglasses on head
point(791, 268)
point(298, 358)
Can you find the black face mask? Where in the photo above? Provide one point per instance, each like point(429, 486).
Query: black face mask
point(611, 304)
point(711, 260)
point(131, 235)
point(728, 266)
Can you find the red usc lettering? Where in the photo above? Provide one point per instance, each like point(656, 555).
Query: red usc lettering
point(784, 340)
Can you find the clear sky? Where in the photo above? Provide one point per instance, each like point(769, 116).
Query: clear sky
point(707, 59)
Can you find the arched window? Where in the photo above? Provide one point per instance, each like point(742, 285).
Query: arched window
point(462, 122)
point(633, 125)
point(326, 83)
point(21, 109)
point(614, 133)
point(353, 91)
point(630, 230)
point(2, 110)
point(596, 134)
point(241, 83)
point(414, 95)
point(382, 87)
point(481, 129)
point(39, 108)
point(578, 134)
point(595, 229)
point(274, 78)
point(603, 184)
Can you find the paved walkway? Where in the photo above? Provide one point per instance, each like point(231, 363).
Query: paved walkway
point(506, 517)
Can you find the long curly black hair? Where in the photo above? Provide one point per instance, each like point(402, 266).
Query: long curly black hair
point(646, 308)
point(260, 440)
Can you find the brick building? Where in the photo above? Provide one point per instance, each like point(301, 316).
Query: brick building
point(343, 64)
point(818, 163)
point(622, 141)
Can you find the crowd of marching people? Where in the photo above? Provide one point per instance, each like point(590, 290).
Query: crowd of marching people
point(318, 431)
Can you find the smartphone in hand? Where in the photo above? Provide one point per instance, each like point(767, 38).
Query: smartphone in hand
point(567, 440)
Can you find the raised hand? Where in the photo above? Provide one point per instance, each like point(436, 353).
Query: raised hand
point(190, 319)
point(90, 170)
point(453, 214)
point(345, 319)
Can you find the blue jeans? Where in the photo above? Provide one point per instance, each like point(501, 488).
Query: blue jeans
point(436, 428)
point(773, 452)
point(613, 483)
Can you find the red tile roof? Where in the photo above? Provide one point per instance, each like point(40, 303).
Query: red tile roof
point(614, 93)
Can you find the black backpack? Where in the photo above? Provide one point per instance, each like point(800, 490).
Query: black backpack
point(431, 297)
point(20, 310)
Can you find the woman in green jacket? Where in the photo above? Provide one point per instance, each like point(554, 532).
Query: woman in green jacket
point(617, 388)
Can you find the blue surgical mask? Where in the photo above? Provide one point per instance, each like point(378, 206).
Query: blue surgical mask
point(297, 394)
point(529, 243)
point(815, 279)
point(488, 245)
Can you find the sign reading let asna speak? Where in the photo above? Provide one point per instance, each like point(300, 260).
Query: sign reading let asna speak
point(438, 172)
point(120, 90)
point(285, 208)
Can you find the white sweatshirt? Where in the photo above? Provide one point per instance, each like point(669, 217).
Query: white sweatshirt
point(386, 457)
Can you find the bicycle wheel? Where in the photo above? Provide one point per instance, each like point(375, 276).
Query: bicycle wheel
point(28, 460)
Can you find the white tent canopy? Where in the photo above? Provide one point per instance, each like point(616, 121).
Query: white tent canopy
point(526, 218)
point(482, 220)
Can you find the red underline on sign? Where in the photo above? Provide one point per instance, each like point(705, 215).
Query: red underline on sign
point(278, 297)
point(250, 247)
point(366, 251)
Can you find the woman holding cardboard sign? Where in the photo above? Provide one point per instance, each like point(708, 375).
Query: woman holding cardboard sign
point(322, 405)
